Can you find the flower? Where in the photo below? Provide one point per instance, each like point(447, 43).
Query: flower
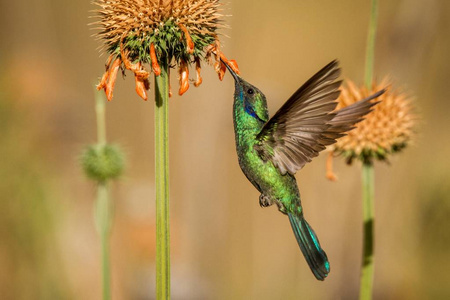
point(387, 129)
point(158, 32)
point(102, 162)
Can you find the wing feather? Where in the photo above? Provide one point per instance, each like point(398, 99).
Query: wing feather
point(308, 122)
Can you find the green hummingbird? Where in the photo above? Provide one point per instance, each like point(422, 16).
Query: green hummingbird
point(271, 151)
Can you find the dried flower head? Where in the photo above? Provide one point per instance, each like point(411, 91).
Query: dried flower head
point(387, 129)
point(158, 32)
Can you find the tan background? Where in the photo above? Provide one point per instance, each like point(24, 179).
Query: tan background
point(224, 246)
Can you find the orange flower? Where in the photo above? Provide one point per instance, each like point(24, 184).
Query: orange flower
point(386, 130)
point(155, 32)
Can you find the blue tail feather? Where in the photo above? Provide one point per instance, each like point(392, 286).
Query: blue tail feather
point(310, 246)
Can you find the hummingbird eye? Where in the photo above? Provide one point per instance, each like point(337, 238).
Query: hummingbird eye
point(250, 91)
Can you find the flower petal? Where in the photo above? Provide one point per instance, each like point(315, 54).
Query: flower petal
point(109, 88)
point(155, 65)
point(184, 78)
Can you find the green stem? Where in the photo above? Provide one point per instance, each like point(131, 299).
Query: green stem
point(367, 271)
point(103, 213)
point(162, 184)
point(101, 120)
point(367, 268)
point(370, 50)
point(103, 209)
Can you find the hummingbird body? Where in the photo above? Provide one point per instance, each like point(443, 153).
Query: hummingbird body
point(267, 179)
point(271, 151)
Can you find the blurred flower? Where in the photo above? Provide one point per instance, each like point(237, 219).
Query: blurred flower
point(102, 162)
point(387, 129)
point(168, 32)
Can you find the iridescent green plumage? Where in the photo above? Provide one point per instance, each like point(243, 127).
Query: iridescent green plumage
point(271, 151)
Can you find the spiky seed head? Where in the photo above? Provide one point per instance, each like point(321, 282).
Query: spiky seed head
point(137, 23)
point(180, 30)
point(102, 162)
point(387, 129)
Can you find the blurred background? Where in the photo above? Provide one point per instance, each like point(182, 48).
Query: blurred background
point(224, 246)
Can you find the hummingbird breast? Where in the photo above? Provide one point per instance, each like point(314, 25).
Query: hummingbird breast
point(264, 176)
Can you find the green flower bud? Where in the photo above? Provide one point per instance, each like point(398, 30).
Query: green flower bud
point(102, 162)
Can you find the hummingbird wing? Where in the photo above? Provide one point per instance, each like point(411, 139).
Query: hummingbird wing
point(307, 123)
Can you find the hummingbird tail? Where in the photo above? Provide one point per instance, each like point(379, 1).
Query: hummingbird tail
point(310, 246)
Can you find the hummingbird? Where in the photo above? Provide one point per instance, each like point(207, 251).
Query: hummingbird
point(271, 150)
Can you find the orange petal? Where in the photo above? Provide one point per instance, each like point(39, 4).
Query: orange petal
point(329, 168)
point(217, 67)
point(139, 71)
point(217, 48)
point(102, 83)
point(108, 61)
point(189, 42)
point(223, 58)
point(209, 51)
point(223, 69)
point(155, 65)
point(234, 66)
point(140, 87)
point(109, 88)
point(231, 63)
point(198, 68)
point(184, 78)
point(124, 56)
point(127, 63)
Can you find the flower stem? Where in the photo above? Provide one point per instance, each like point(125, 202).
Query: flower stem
point(367, 268)
point(162, 183)
point(103, 209)
point(103, 213)
point(101, 120)
point(368, 233)
point(370, 48)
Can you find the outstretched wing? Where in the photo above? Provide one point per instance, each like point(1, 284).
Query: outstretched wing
point(307, 123)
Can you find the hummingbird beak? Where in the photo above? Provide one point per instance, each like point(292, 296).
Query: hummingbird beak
point(235, 76)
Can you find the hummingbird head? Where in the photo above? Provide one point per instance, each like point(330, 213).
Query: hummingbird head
point(249, 98)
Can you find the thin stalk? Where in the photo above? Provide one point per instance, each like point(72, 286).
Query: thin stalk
point(367, 268)
point(370, 48)
point(103, 213)
point(162, 184)
point(103, 209)
point(368, 193)
point(101, 120)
